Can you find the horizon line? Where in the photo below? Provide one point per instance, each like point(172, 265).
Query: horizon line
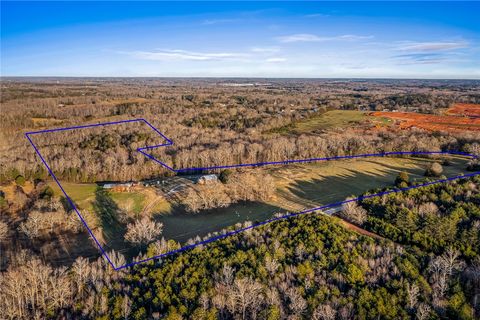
point(229, 77)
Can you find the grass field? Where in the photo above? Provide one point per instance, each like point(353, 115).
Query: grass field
point(135, 202)
point(328, 120)
point(83, 194)
point(129, 201)
point(304, 186)
point(310, 185)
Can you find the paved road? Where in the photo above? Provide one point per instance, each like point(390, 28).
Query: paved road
point(332, 210)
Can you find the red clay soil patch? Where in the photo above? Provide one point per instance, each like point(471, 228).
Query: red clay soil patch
point(359, 230)
point(464, 109)
point(432, 122)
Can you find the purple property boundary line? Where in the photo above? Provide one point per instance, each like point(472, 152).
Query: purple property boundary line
point(230, 233)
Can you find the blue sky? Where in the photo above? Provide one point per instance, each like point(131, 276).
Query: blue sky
point(241, 39)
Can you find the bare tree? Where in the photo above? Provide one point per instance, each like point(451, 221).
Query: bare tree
point(474, 149)
point(33, 289)
point(439, 279)
point(126, 307)
point(427, 208)
point(353, 212)
point(434, 170)
point(80, 274)
point(450, 261)
point(324, 312)
point(423, 311)
point(412, 295)
point(272, 265)
point(297, 303)
point(441, 268)
point(161, 246)
point(227, 275)
point(31, 227)
point(245, 296)
point(3, 230)
point(143, 231)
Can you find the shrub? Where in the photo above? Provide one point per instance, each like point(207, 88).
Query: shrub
point(434, 170)
point(402, 179)
point(473, 165)
point(20, 180)
point(225, 175)
point(403, 185)
point(47, 193)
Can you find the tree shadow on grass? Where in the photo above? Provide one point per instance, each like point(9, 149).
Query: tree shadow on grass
point(330, 189)
point(333, 189)
point(181, 226)
point(109, 215)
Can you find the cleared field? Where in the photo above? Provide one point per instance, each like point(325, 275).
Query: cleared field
point(134, 203)
point(131, 202)
point(464, 109)
point(327, 120)
point(83, 194)
point(431, 122)
point(315, 184)
point(303, 186)
point(330, 119)
point(104, 210)
point(333, 119)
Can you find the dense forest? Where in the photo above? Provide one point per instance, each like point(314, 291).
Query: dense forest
point(307, 267)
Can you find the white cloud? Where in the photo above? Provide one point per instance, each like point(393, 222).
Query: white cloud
point(306, 37)
point(428, 52)
point(420, 58)
point(169, 55)
point(265, 49)
point(300, 37)
point(432, 46)
point(276, 60)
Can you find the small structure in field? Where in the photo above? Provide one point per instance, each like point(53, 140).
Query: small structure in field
point(208, 178)
point(119, 187)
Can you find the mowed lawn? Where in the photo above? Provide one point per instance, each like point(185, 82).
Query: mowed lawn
point(310, 185)
point(133, 202)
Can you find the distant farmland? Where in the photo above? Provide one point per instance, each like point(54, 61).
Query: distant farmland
point(431, 122)
point(465, 109)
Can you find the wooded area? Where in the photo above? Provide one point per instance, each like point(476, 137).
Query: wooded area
point(319, 271)
point(409, 255)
